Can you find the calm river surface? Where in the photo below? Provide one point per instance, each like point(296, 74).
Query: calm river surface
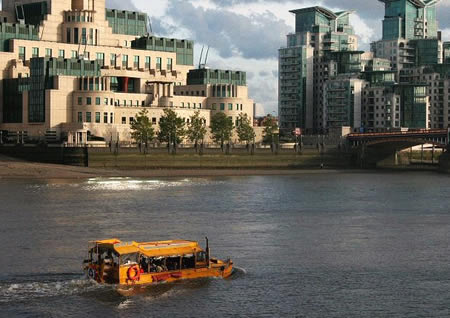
point(314, 245)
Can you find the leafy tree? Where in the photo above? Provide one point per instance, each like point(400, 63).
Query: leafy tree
point(141, 128)
point(221, 128)
point(171, 128)
point(196, 129)
point(270, 129)
point(244, 129)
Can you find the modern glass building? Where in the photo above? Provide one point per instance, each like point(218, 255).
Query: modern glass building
point(404, 81)
point(304, 68)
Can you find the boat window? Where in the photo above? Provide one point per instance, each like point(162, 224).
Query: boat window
point(173, 263)
point(201, 257)
point(156, 264)
point(144, 263)
point(128, 259)
point(188, 261)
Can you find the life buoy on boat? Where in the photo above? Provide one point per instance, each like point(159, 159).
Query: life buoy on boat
point(134, 273)
point(92, 273)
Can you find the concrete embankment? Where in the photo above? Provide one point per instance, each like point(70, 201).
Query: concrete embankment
point(30, 163)
point(12, 168)
point(185, 158)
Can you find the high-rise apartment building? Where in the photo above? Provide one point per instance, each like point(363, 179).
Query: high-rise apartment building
point(402, 83)
point(72, 70)
point(304, 65)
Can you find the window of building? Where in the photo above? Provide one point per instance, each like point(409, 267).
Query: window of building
point(35, 52)
point(83, 36)
point(124, 120)
point(111, 118)
point(88, 101)
point(200, 105)
point(213, 106)
point(97, 117)
point(74, 54)
point(169, 64)
point(125, 60)
point(230, 106)
point(222, 106)
point(154, 120)
point(113, 60)
point(80, 117)
point(76, 36)
point(88, 117)
point(97, 101)
point(22, 53)
point(147, 62)
point(91, 36)
point(106, 100)
point(68, 35)
point(61, 53)
point(105, 118)
point(136, 61)
point(101, 58)
point(158, 63)
point(131, 120)
point(80, 100)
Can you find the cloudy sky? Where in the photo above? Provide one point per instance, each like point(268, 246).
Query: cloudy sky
point(246, 34)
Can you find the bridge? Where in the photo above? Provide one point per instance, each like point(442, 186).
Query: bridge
point(372, 148)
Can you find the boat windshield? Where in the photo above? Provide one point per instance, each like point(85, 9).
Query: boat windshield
point(128, 259)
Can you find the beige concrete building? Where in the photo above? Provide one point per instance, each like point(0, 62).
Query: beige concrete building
point(73, 69)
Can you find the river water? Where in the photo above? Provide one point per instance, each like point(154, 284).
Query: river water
point(313, 245)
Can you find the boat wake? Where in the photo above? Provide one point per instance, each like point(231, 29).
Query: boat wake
point(238, 272)
point(27, 290)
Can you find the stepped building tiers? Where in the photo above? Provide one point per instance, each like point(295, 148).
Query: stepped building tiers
point(73, 69)
point(404, 82)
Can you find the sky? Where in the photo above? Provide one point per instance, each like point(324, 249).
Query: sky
point(246, 34)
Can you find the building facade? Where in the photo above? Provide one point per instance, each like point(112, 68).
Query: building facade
point(304, 66)
point(73, 70)
point(402, 83)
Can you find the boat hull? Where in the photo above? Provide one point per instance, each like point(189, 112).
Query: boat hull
point(219, 270)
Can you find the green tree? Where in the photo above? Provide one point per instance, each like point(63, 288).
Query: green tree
point(270, 129)
point(221, 128)
point(196, 129)
point(141, 128)
point(171, 128)
point(244, 129)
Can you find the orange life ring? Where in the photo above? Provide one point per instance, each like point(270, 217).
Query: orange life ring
point(134, 273)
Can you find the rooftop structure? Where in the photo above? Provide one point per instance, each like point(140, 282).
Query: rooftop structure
point(410, 19)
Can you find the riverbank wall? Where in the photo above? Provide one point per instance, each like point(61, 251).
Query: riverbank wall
point(132, 158)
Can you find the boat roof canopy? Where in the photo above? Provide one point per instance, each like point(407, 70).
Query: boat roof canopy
point(152, 249)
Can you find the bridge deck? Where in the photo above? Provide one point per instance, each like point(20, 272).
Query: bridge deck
point(430, 133)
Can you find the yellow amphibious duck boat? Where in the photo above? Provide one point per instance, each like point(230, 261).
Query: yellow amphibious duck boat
point(133, 263)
